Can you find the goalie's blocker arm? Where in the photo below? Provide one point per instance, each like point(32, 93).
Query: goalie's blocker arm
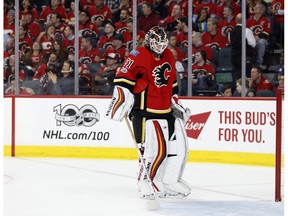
point(121, 103)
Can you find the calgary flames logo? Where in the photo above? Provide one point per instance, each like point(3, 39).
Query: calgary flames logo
point(160, 78)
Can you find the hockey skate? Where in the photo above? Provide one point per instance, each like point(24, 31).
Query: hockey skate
point(179, 189)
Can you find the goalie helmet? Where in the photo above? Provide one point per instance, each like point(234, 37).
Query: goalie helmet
point(156, 40)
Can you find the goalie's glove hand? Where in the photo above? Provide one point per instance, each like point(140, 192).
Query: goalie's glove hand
point(178, 110)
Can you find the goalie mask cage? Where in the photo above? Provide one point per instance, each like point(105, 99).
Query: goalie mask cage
point(279, 152)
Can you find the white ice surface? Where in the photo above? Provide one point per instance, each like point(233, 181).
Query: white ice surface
point(81, 187)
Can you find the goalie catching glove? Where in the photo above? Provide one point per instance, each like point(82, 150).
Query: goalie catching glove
point(121, 103)
point(178, 110)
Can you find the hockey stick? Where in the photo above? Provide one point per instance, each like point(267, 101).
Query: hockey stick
point(150, 205)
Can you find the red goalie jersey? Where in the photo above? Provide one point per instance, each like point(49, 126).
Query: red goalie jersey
point(153, 82)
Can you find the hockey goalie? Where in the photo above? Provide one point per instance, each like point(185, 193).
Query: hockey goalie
point(146, 91)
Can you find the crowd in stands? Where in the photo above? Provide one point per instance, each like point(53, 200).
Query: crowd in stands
point(47, 43)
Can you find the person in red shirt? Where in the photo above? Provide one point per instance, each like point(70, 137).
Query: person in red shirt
point(60, 26)
point(197, 44)
point(52, 64)
point(33, 27)
point(261, 27)
point(232, 3)
point(27, 5)
point(100, 13)
point(149, 18)
point(69, 39)
point(88, 54)
point(228, 21)
point(47, 38)
point(170, 22)
point(35, 56)
point(182, 33)
point(257, 82)
point(173, 45)
point(201, 68)
point(9, 22)
point(213, 36)
point(209, 5)
point(121, 25)
point(86, 27)
point(55, 7)
point(25, 42)
point(105, 41)
point(146, 90)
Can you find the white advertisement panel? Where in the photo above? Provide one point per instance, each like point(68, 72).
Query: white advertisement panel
point(214, 125)
point(232, 125)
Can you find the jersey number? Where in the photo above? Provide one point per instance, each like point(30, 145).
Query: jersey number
point(128, 62)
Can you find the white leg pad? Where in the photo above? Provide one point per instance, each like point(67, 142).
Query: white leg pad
point(155, 152)
point(176, 160)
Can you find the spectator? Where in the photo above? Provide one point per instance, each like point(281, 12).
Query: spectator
point(124, 4)
point(33, 27)
point(170, 22)
point(47, 38)
point(25, 42)
point(27, 5)
point(226, 91)
point(200, 24)
point(121, 25)
point(100, 13)
point(105, 76)
point(10, 47)
point(105, 40)
point(36, 56)
point(69, 39)
point(52, 64)
point(128, 34)
point(172, 45)
point(9, 22)
point(247, 90)
point(60, 26)
point(160, 8)
point(70, 17)
point(10, 90)
point(278, 14)
point(114, 7)
point(86, 27)
point(63, 85)
point(233, 4)
point(88, 54)
point(203, 73)
point(119, 47)
point(55, 7)
point(182, 32)
point(261, 27)
point(213, 36)
point(228, 21)
point(236, 44)
point(197, 44)
point(257, 82)
point(209, 5)
point(9, 71)
point(60, 50)
point(149, 18)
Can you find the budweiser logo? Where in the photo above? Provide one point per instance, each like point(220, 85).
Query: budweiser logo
point(195, 124)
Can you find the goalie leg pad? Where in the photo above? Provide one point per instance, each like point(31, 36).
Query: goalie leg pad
point(176, 160)
point(121, 103)
point(155, 152)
